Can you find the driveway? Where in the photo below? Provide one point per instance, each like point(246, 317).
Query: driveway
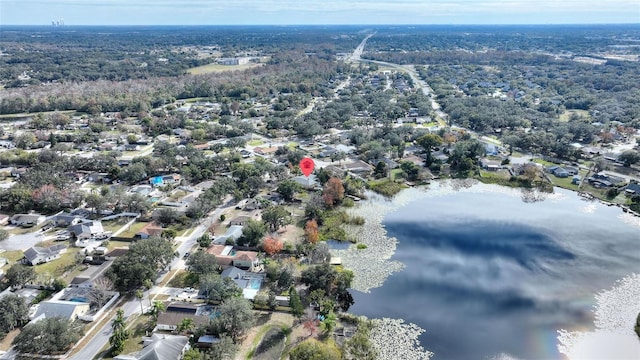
point(22, 242)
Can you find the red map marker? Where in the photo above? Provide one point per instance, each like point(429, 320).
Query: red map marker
point(307, 165)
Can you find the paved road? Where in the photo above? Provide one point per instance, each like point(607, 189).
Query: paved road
point(101, 339)
point(131, 307)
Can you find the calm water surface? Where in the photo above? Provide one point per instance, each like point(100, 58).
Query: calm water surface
point(490, 274)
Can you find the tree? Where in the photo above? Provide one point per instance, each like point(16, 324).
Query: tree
point(186, 325)
point(288, 189)
point(272, 246)
point(120, 333)
point(359, 347)
point(96, 202)
point(216, 288)
point(193, 354)
point(329, 322)
point(311, 231)
point(297, 309)
point(235, 319)
point(167, 216)
point(156, 308)
point(311, 325)
point(4, 234)
point(428, 142)
point(14, 313)
point(140, 295)
point(49, 336)
point(319, 253)
point(98, 295)
point(204, 241)
point(411, 170)
point(312, 349)
point(276, 217)
point(18, 275)
point(629, 157)
point(381, 170)
point(223, 349)
point(315, 207)
point(252, 233)
point(201, 262)
point(142, 262)
point(333, 192)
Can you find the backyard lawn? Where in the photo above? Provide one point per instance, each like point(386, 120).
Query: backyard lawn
point(134, 229)
point(58, 267)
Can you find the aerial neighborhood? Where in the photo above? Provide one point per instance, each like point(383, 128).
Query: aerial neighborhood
point(171, 219)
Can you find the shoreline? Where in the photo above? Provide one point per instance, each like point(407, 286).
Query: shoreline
point(373, 265)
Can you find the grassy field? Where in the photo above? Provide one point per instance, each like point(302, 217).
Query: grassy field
point(567, 114)
point(57, 267)
point(213, 68)
point(133, 229)
point(255, 142)
point(13, 116)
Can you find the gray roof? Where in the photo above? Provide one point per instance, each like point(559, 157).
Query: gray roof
point(164, 347)
point(33, 252)
point(57, 308)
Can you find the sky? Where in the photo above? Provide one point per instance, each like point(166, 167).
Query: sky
point(299, 12)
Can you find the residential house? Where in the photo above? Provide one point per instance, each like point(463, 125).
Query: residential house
point(491, 150)
point(170, 319)
point(234, 232)
point(390, 164)
point(87, 230)
point(38, 255)
point(490, 165)
point(149, 230)
point(69, 310)
point(558, 171)
point(265, 151)
point(575, 180)
point(65, 219)
point(358, 167)
point(27, 219)
point(172, 179)
point(160, 347)
point(249, 282)
point(632, 189)
point(328, 151)
point(240, 220)
point(227, 256)
point(307, 182)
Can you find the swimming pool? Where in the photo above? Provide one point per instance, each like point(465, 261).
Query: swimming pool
point(255, 283)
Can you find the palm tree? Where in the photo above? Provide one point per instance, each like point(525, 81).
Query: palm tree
point(186, 325)
point(140, 294)
point(156, 308)
point(329, 322)
point(148, 284)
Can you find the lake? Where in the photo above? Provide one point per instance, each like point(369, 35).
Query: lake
point(490, 275)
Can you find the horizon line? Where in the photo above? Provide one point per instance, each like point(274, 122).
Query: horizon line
point(345, 24)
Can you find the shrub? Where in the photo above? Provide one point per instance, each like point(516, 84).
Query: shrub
point(362, 246)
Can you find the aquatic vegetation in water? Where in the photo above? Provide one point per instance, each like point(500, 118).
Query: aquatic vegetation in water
point(615, 312)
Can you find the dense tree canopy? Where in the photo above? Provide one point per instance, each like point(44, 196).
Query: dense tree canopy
point(48, 337)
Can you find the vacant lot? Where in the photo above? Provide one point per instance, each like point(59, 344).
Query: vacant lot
point(212, 68)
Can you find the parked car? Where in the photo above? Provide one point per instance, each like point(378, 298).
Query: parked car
point(187, 254)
